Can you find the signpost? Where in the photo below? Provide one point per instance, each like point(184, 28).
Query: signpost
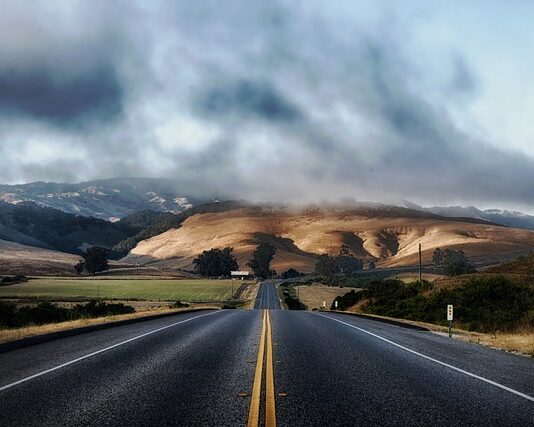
point(450, 316)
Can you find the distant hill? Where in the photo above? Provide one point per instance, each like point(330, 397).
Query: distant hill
point(388, 235)
point(21, 259)
point(498, 216)
point(30, 224)
point(108, 199)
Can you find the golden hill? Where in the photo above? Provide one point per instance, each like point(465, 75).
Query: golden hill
point(21, 259)
point(388, 235)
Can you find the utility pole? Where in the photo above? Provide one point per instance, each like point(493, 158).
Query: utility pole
point(420, 265)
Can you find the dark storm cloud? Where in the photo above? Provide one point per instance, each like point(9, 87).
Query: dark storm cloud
point(254, 100)
point(58, 96)
point(247, 99)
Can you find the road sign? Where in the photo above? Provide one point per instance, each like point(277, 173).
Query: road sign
point(239, 273)
point(449, 318)
point(449, 312)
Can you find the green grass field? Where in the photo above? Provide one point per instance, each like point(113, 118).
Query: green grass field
point(144, 289)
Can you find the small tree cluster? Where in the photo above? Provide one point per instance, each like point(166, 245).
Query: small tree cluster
point(215, 262)
point(290, 274)
point(260, 263)
point(451, 262)
point(94, 260)
point(343, 264)
point(325, 265)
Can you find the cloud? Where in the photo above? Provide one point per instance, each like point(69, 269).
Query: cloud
point(247, 100)
point(257, 100)
point(59, 97)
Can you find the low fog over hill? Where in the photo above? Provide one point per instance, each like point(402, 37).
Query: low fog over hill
point(107, 199)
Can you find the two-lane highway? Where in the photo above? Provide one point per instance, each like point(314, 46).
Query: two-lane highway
point(238, 367)
point(267, 296)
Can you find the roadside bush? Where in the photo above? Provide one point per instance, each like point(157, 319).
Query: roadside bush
point(290, 298)
point(45, 312)
point(11, 280)
point(179, 304)
point(347, 300)
point(485, 304)
point(290, 274)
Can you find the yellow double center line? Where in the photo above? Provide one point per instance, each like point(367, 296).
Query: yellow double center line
point(266, 343)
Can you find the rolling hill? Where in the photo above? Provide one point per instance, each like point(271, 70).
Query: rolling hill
point(389, 235)
point(21, 259)
point(30, 224)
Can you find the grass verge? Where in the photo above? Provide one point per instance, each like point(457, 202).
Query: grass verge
point(516, 342)
point(7, 335)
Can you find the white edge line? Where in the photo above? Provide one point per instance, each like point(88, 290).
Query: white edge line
point(55, 368)
point(478, 377)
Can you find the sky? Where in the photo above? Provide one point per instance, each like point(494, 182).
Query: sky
point(274, 100)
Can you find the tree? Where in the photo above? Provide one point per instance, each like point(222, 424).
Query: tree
point(347, 264)
point(325, 265)
point(290, 274)
point(79, 267)
point(371, 265)
point(216, 262)
point(456, 263)
point(344, 250)
point(261, 259)
point(437, 258)
point(95, 259)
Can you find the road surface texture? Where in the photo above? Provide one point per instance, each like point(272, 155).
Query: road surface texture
point(239, 367)
point(267, 296)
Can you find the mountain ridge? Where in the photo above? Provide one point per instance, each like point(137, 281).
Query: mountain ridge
point(109, 199)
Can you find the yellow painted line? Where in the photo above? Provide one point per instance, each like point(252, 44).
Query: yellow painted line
point(254, 410)
point(270, 403)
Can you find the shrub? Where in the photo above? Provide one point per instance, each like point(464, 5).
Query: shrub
point(45, 312)
point(347, 300)
point(290, 274)
point(179, 304)
point(484, 304)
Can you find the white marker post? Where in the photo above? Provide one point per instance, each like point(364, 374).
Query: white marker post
point(324, 305)
point(450, 316)
point(335, 304)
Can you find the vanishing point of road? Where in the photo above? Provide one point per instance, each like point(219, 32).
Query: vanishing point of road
point(265, 366)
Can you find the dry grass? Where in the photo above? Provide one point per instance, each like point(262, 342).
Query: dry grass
point(518, 342)
point(299, 235)
point(7, 335)
point(314, 295)
point(249, 295)
point(21, 259)
point(413, 277)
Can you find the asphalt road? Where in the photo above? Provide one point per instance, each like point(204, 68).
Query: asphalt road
point(267, 296)
point(329, 369)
